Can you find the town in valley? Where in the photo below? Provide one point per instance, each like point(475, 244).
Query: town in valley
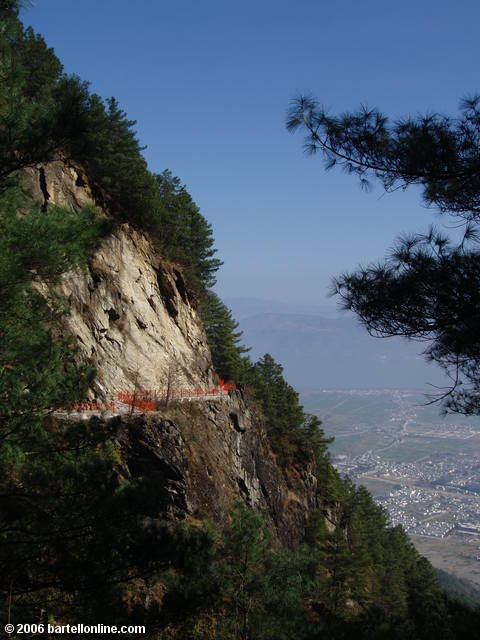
point(422, 467)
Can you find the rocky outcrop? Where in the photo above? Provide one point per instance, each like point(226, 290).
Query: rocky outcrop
point(133, 321)
point(60, 183)
point(130, 313)
point(205, 463)
point(132, 318)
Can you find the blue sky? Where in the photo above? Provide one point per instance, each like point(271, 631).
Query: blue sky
point(209, 84)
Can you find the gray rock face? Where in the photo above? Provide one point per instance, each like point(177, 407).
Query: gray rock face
point(132, 322)
point(132, 319)
point(59, 183)
point(204, 464)
point(156, 448)
point(130, 313)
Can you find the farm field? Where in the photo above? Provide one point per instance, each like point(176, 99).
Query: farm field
point(421, 466)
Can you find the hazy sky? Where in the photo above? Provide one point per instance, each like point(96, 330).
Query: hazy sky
point(209, 84)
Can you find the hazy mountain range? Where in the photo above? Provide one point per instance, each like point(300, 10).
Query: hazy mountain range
point(329, 352)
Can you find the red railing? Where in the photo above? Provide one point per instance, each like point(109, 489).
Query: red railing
point(146, 400)
point(142, 395)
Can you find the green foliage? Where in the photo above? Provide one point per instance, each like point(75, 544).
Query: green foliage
point(459, 589)
point(223, 339)
point(183, 233)
point(45, 113)
point(241, 598)
point(28, 113)
point(241, 560)
point(48, 474)
point(428, 289)
point(357, 579)
point(434, 151)
point(37, 247)
point(294, 435)
point(78, 539)
point(106, 145)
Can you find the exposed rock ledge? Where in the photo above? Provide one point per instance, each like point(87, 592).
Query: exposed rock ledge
point(133, 320)
point(130, 313)
point(204, 464)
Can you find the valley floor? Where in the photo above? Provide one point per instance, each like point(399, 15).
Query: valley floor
point(424, 469)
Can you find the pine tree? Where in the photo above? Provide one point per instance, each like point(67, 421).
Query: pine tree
point(39, 466)
point(223, 339)
point(184, 234)
point(428, 287)
point(241, 563)
point(294, 435)
point(45, 114)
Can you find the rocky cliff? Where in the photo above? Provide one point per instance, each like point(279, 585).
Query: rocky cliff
point(133, 320)
point(207, 455)
point(130, 313)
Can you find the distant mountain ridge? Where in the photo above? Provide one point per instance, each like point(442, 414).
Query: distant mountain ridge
point(245, 307)
point(331, 352)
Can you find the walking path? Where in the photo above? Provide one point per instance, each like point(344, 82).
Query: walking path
point(141, 402)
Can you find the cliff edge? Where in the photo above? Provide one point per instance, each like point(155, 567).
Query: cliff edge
point(133, 321)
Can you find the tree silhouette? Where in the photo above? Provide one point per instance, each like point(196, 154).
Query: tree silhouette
point(428, 287)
